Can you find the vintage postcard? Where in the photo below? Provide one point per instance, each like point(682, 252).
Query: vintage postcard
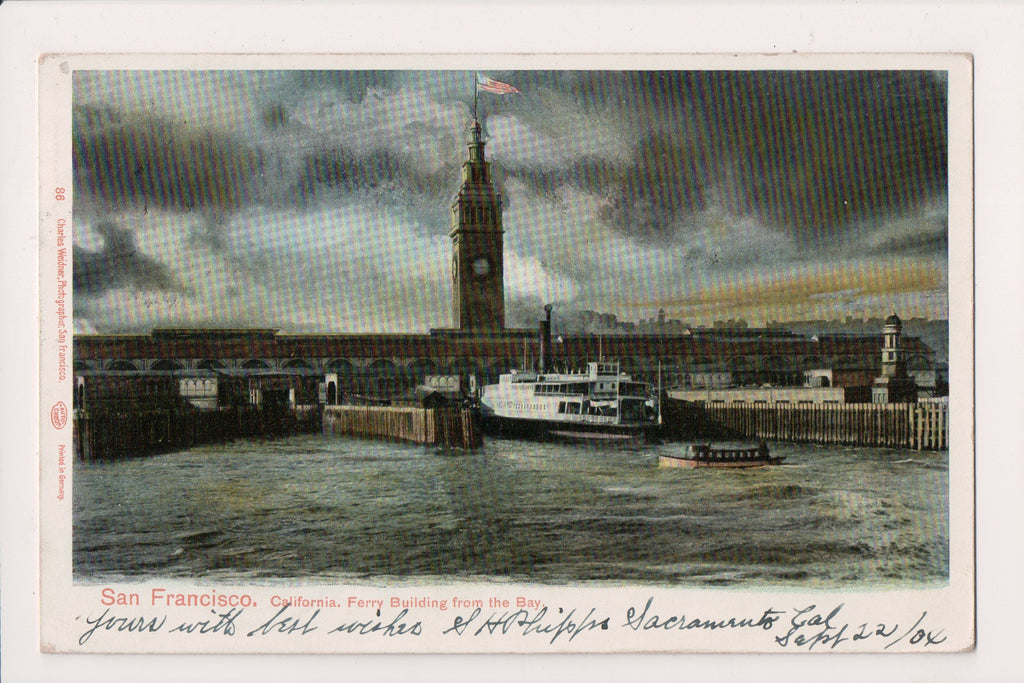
point(507, 354)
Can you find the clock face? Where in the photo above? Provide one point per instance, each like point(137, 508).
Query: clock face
point(481, 266)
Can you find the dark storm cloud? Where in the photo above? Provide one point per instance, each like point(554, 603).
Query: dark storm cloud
point(663, 184)
point(118, 264)
point(926, 237)
point(671, 182)
point(127, 160)
point(807, 152)
point(343, 170)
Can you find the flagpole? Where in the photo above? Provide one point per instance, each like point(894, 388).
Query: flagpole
point(475, 91)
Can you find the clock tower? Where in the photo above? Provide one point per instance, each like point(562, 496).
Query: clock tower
point(478, 289)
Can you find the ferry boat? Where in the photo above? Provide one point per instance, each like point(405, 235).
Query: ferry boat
point(598, 403)
point(703, 455)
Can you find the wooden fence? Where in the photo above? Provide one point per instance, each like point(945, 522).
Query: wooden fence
point(920, 426)
point(454, 427)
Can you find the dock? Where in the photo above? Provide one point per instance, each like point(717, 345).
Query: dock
point(114, 434)
point(452, 427)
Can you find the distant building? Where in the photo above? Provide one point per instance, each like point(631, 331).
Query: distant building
point(838, 377)
point(933, 383)
point(894, 385)
point(774, 395)
point(133, 391)
point(850, 384)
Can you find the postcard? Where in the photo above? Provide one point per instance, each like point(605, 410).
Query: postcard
point(506, 353)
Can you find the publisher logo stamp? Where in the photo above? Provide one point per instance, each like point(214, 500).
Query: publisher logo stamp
point(59, 415)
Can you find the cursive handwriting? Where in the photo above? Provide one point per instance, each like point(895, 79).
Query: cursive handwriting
point(919, 635)
point(120, 624)
point(396, 627)
point(287, 625)
point(810, 627)
point(523, 622)
point(640, 620)
point(224, 624)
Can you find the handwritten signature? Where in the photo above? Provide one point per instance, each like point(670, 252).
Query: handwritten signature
point(525, 623)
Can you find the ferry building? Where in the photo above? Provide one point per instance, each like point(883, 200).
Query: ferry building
point(475, 352)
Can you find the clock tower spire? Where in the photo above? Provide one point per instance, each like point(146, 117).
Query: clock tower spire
point(478, 290)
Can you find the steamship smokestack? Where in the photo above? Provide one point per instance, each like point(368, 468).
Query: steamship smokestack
point(545, 341)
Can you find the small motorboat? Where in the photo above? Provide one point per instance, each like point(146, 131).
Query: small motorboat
point(704, 455)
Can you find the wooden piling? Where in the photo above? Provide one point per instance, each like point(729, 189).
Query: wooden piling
point(921, 426)
point(452, 427)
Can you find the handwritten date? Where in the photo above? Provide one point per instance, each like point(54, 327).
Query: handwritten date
point(810, 627)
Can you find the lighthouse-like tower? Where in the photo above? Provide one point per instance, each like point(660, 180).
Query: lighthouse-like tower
point(478, 290)
point(893, 363)
point(894, 385)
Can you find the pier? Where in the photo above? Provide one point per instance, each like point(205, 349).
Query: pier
point(916, 426)
point(129, 433)
point(455, 427)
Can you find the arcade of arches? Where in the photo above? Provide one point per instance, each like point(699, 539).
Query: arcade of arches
point(387, 365)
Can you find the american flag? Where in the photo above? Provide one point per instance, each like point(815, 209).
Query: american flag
point(490, 85)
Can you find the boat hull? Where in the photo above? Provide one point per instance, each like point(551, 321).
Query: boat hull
point(505, 427)
point(679, 461)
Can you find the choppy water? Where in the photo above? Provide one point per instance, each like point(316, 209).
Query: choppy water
point(314, 507)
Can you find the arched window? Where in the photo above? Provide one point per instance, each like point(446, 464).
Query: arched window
point(384, 378)
point(463, 366)
point(421, 368)
point(343, 367)
point(811, 363)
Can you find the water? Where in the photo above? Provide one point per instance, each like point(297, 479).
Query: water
point(313, 508)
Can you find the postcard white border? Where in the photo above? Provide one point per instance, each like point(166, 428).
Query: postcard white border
point(981, 303)
point(944, 616)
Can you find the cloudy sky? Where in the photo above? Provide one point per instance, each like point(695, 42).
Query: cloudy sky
point(318, 201)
